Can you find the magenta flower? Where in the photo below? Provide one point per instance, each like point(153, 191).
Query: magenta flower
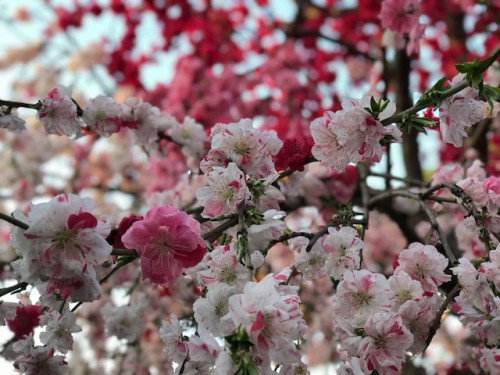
point(167, 241)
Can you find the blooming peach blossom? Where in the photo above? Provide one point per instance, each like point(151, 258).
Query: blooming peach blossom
point(425, 264)
point(59, 114)
point(167, 240)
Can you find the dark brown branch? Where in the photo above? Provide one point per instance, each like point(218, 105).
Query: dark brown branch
point(13, 289)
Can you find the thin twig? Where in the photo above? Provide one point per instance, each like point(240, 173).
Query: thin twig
point(466, 202)
point(437, 320)
point(217, 231)
point(13, 221)
point(364, 170)
point(13, 289)
point(406, 180)
point(287, 237)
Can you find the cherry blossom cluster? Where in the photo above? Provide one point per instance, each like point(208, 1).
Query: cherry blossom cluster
point(64, 249)
point(259, 242)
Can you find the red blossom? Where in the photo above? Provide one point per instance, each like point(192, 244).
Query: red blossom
point(26, 320)
point(115, 237)
point(293, 154)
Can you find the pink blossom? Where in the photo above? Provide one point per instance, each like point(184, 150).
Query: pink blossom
point(361, 294)
point(102, 115)
point(167, 241)
point(223, 267)
point(491, 269)
point(416, 33)
point(400, 15)
point(468, 239)
point(425, 264)
point(418, 317)
point(327, 148)
point(251, 149)
point(404, 289)
point(492, 189)
point(203, 348)
point(459, 112)
point(272, 318)
point(342, 247)
point(213, 159)
point(490, 360)
point(144, 120)
point(59, 113)
point(209, 311)
point(190, 136)
point(171, 335)
point(383, 349)
point(63, 244)
point(353, 366)
point(351, 134)
point(468, 276)
point(38, 360)
point(311, 264)
point(59, 330)
point(268, 197)
point(11, 121)
point(226, 189)
point(448, 173)
point(269, 229)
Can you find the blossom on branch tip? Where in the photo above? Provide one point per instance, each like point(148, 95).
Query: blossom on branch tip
point(38, 360)
point(144, 120)
point(459, 112)
point(59, 114)
point(352, 134)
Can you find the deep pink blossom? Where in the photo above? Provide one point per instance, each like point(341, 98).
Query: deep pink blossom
point(167, 241)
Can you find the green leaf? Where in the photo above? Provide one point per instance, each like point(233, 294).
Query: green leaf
point(461, 68)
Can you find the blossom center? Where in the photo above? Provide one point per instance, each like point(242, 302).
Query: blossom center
point(162, 245)
point(380, 342)
point(226, 192)
point(241, 148)
point(363, 299)
point(100, 115)
point(66, 237)
point(403, 296)
point(228, 275)
point(420, 271)
point(220, 310)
